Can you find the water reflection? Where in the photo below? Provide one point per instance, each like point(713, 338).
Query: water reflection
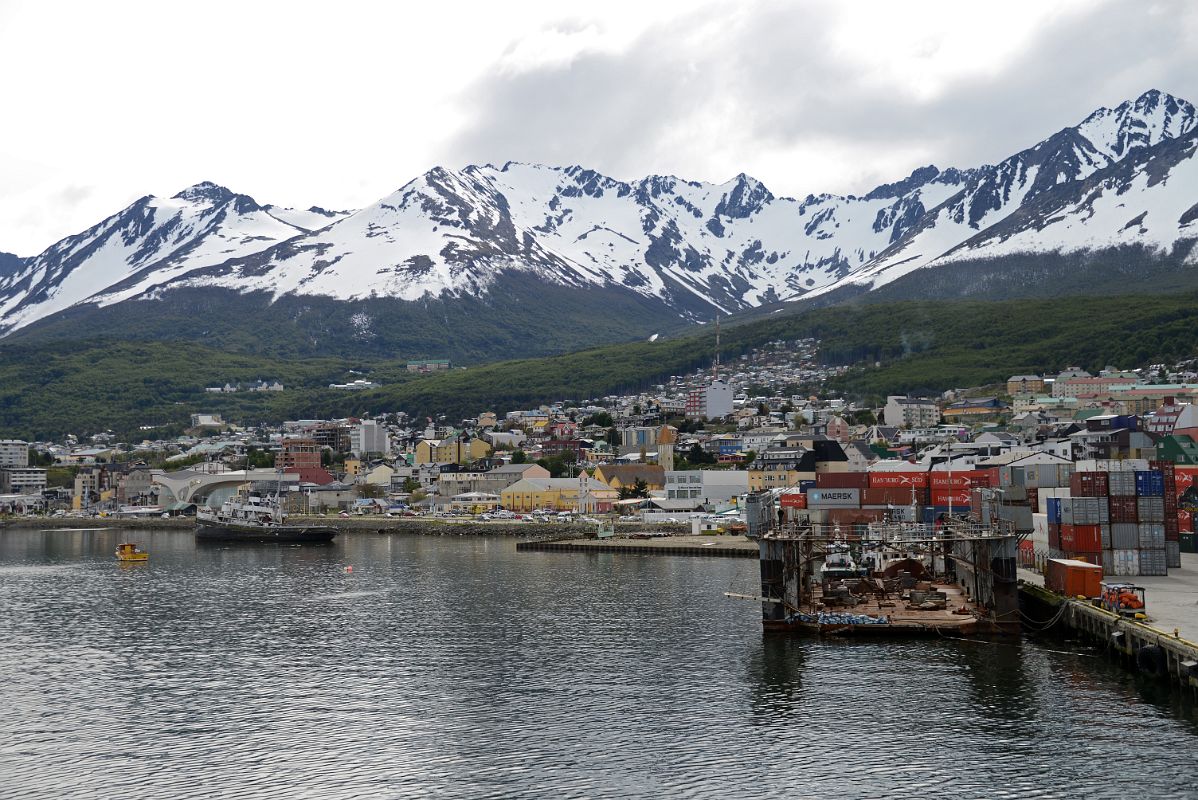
point(459, 668)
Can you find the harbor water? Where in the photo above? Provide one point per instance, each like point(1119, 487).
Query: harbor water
point(408, 666)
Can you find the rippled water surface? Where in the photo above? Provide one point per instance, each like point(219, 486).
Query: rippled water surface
point(460, 668)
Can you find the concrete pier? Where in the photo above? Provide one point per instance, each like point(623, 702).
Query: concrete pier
point(718, 546)
point(1165, 645)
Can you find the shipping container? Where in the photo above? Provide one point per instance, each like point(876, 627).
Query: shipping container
point(792, 499)
point(957, 498)
point(1126, 562)
point(1088, 484)
point(883, 480)
point(842, 480)
point(1172, 529)
point(1066, 506)
point(1083, 538)
point(1152, 536)
point(964, 479)
point(1085, 510)
point(1073, 578)
point(1105, 535)
point(833, 498)
point(1173, 555)
point(1188, 541)
point(806, 485)
point(1121, 484)
point(1054, 536)
point(1125, 536)
point(1039, 534)
point(1053, 509)
point(1150, 483)
point(893, 495)
point(1150, 509)
point(1108, 562)
point(1153, 562)
point(1123, 508)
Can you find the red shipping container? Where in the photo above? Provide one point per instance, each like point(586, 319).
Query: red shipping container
point(793, 500)
point(966, 479)
point(1054, 536)
point(1067, 538)
point(892, 495)
point(881, 480)
point(1089, 484)
point(1087, 538)
point(958, 498)
point(994, 476)
point(1124, 509)
point(842, 480)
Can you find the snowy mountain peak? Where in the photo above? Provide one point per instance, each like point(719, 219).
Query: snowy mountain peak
point(747, 196)
point(205, 191)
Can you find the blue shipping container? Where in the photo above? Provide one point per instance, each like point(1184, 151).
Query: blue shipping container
point(805, 485)
point(1054, 510)
point(1150, 483)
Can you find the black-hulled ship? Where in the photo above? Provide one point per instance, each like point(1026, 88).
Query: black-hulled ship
point(249, 517)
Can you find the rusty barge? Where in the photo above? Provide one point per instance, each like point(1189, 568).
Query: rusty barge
point(955, 577)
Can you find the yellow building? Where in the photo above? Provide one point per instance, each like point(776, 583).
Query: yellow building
point(760, 479)
point(450, 451)
point(620, 476)
point(581, 494)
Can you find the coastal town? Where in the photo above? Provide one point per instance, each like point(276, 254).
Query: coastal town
point(687, 451)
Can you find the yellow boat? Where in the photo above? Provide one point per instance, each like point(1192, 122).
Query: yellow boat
point(128, 551)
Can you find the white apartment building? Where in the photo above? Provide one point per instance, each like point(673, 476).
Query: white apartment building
point(14, 453)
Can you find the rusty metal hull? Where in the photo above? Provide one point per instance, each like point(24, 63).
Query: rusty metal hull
point(973, 628)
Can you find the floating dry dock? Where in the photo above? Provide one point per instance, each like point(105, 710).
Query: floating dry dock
point(954, 578)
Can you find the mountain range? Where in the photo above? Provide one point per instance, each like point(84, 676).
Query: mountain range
point(524, 259)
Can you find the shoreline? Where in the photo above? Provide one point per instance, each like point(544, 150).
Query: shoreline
point(364, 524)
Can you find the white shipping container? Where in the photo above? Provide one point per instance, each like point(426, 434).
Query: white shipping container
point(1039, 536)
point(1108, 465)
point(1127, 562)
point(1043, 495)
point(1108, 562)
point(1106, 537)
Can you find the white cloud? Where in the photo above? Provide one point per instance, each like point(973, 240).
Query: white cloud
point(303, 103)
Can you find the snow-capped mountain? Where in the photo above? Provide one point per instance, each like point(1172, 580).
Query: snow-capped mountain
point(1121, 176)
point(151, 242)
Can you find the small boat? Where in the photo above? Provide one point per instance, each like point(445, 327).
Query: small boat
point(128, 551)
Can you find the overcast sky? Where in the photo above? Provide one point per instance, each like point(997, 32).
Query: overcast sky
point(337, 104)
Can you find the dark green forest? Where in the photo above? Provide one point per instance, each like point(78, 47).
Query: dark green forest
point(48, 389)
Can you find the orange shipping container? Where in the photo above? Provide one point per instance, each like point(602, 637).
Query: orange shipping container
point(1073, 578)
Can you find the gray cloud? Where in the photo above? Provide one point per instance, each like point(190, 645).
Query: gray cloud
point(777, 84)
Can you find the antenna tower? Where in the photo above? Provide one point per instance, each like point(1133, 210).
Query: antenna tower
point(715, 366)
